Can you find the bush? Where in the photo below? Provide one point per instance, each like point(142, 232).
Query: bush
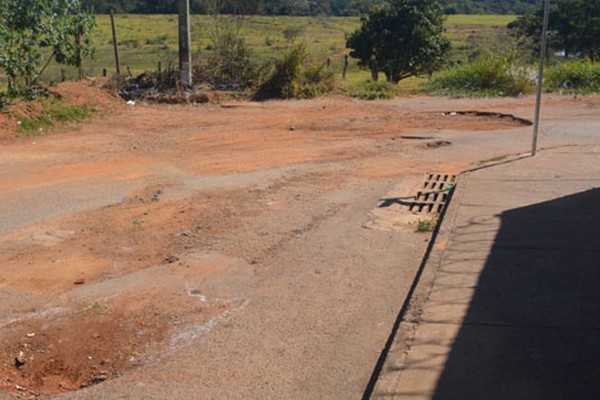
point(315, 80)
point(291, 79)
point(574, 77)
point(376, 90)
point(489, 75)
point(228, 65)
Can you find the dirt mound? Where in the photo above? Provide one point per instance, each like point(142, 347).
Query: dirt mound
point(88, 93)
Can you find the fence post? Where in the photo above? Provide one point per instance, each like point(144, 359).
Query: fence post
point(345, 67)
point(115, 41)
point(185, 55)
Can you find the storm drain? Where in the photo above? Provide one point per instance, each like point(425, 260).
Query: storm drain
point(431, 199)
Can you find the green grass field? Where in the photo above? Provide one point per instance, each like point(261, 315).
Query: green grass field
point(146, 40)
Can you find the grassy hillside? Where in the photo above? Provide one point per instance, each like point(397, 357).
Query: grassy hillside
point(146, 40)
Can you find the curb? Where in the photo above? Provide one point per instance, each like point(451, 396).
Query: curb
point(409, 315)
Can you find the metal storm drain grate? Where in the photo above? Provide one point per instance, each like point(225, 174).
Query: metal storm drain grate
point(432, 198)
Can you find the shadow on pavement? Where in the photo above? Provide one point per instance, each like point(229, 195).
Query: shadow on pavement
point(532, 330)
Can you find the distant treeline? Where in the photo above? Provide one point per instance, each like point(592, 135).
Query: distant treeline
point(491, 6)
point(305, 7)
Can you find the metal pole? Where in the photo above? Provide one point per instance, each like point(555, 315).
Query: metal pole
point(185, 54)
point(538, 103)
point(115, 42)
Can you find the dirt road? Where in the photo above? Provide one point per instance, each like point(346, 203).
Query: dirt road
point(225, 251)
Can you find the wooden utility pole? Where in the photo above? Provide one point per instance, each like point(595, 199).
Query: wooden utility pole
point(115, 41)
point(185, 54)
point(79, 57)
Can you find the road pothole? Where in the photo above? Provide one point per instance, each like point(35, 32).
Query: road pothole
point(103, 330)
point(489, 115)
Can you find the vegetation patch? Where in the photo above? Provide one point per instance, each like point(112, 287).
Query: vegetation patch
point(293, 78)
point(377, 90)
point(489, 75)
point(53, 112)
point(425, 225)
point(581, 77)
point(265, 38)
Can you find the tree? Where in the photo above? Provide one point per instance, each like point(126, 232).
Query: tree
point(577, 25)
point(403, 39)
point(574, 28)
point(121, 6)
point(34, 33)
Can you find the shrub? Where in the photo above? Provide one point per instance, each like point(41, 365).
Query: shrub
point(489, 75)
point(229, 64)
point(315, 80)
point(574, 77)
point(283, 81)
point(290, 78)
point(376, 90)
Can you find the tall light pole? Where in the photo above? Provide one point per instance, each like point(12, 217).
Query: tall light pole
point(538, 103)
point(185, 53)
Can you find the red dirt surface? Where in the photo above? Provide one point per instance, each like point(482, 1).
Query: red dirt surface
point(88, 93)
point(97, 293)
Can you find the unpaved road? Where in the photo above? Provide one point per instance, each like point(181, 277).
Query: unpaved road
point(228, 251)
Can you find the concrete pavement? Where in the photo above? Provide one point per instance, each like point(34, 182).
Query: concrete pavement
point(508, 306)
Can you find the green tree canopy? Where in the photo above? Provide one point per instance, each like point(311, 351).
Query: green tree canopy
point(574, 28)
point(33, 33)
point(404, 38)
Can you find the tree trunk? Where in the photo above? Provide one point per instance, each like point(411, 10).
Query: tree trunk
point(374, 71)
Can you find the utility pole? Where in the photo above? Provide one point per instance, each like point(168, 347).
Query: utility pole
point(185, 54)
point(538, 103)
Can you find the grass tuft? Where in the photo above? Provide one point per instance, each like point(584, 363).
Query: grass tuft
point(376, 90)
point(425, 225)
point(53, 113)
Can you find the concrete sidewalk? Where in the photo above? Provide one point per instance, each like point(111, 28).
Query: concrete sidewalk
point(508, 306)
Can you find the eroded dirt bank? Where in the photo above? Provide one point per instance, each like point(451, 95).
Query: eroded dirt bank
point(237, 250)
